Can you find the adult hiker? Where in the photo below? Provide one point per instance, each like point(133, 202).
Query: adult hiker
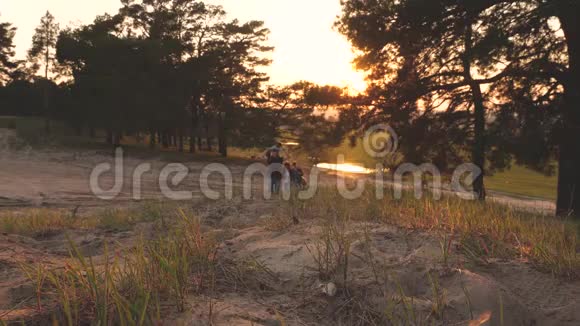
point(275, 162)
point(276, 148)
point(297, 176)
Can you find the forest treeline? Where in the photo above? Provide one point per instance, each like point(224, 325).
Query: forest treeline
point(177, 71)
point(493, 82)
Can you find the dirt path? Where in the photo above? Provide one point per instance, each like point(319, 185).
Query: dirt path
point(61, 179)
point(542, 206)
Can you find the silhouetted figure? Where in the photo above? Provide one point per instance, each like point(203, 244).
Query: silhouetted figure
point(276, 175)
point(297, 176)
point(276, 148)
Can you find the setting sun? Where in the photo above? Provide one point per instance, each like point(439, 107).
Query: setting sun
point(307, 46)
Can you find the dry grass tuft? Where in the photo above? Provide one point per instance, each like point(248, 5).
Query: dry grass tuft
point(132, 287)
point(484, 230)
point(45, 222)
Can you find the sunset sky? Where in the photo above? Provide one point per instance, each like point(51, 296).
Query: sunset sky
point(307, 47)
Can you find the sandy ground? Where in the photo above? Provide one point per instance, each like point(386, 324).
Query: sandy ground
point(288, 285)
point(61, 178)
point(528, 297)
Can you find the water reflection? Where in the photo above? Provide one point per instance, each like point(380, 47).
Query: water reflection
point(346, 167)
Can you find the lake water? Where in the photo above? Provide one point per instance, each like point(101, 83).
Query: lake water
point(345, 167)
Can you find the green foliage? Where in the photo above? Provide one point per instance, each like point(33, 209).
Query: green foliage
point(476, 80)
point(253, 127)
point(324, 96)
point(26, 98)
point(7, 33)
point(167, 67)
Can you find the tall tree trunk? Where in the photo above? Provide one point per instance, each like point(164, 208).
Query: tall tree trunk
point(207, 136)
point(46, 85)
point(223, 146)
point(478, 153)
point(109, 139)
point(180, 140)
point(195, 113)
point(78, 129)
point(222, 137)
point(208, 144)
point(46, 108)
point(192, 143)
point(117, 136)
point(478, 147)
point(164, 139)
point(152, 139)
point(568, 202)
point(193, 130)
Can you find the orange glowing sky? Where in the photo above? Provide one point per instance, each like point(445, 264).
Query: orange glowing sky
point(307, 47)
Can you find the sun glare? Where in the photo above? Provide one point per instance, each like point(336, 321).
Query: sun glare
point(345, 167)
point(306, 45)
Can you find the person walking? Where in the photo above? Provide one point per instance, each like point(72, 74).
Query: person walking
point(275, 161)
point(297, 175)
point(276, 148)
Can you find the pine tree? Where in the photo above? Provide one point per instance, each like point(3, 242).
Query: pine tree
point(415, 50)
point(43, 54)
point(7, 33)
